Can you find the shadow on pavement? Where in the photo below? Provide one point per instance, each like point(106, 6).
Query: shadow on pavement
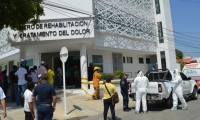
point(117, 118)
point(75, 108)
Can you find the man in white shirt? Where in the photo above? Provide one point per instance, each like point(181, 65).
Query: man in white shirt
point(22, 75)
point(28, 102)
point(42, 69)
point(3, 102)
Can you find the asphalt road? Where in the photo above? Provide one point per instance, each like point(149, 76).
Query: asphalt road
point(157, 111)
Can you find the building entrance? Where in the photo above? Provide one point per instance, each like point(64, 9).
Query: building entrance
point(72, 71)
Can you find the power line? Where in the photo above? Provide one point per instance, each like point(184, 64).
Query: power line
point(136, 17)
point(142, 31)
point(49, 4)
point(149, 22)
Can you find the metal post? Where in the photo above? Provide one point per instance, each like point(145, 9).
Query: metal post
point(64, 88)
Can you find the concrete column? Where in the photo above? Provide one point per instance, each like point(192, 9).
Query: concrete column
point(83, 61)
point(22, 53)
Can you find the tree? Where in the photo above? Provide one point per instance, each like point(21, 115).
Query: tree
point(16, 13)
point(179, 54)
point(179, 57)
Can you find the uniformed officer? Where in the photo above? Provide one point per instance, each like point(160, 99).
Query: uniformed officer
point(124, 91)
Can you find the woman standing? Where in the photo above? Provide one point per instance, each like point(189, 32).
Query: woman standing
point(96, 78)
point(109, 90)
point(33, 75)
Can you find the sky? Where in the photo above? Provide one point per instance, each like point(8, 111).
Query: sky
point(186, 20)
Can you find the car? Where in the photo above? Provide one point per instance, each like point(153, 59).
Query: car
point(160, 89)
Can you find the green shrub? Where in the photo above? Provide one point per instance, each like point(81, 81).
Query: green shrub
point(119, 74)
point(103, 76)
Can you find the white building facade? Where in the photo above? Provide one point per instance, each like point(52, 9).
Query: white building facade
point(127, 35)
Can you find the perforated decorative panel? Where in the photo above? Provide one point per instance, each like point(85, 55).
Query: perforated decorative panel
point(132, 18)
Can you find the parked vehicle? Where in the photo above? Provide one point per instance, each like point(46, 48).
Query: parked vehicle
point(193, 70)
point(161, 90)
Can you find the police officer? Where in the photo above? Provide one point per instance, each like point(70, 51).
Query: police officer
point(124, 91)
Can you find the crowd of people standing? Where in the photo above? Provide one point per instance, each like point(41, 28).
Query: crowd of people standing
point(26, 85)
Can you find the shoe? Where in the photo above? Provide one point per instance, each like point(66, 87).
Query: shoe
point(185, 108)
point(18, 104)
point(94, 98)
point(126, 110)
point(136, 112)
point(145, 112)
point(173, 108)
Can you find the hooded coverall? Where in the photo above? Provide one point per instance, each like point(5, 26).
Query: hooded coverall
point(140, 84)
point(96, 78)
point(177, 90)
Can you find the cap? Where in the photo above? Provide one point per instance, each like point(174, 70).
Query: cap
point(126, 74)
point(96, 68)
point(39, 76)
point(108, 78)
point(42, 62)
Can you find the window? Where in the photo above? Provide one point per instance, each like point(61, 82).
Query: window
point(98, 61)
point(160, 32)
point(148, 61)
point(124, 60)
point(129, 60)
point(117, 61)
point(163, 59)
point(141, 60)
point(29, 62)
point(183, 76)
point(157, 6)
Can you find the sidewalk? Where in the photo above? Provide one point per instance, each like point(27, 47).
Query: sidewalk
point(79, 106)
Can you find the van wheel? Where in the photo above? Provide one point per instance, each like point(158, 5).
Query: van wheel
point(169, 102)
point(194, 94)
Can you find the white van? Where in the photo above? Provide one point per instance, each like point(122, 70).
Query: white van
point(193, 70)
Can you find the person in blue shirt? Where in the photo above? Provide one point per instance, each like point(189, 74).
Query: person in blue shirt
point(46, 99)
point(5, 81)
point(124, 91)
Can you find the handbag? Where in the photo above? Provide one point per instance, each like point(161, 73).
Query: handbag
point(114, 98)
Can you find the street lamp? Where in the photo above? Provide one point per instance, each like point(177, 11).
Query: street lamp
point(63, 58)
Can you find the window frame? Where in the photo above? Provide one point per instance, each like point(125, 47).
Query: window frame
point(142, 60)
point(158, 11)
point(124, 59)
point(98, 64)
point(160, 32)
point(128, 61)
point(149, 60)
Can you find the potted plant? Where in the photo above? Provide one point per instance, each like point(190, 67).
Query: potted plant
point(119, 74)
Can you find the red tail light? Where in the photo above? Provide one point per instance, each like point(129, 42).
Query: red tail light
point(159, 88)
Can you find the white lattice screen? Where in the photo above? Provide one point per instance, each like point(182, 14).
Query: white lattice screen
point(132, 18)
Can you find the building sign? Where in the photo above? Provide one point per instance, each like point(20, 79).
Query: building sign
point(57, 30)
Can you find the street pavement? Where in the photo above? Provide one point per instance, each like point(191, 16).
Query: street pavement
point(81, 107)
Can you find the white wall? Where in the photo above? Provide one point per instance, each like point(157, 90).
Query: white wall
point(82, 5)
point(107, 59)
point(103, 39)
point(127, 67)
point(135, 66)
point(168, 45)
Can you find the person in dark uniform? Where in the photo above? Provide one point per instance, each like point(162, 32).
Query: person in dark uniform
point(124, 91)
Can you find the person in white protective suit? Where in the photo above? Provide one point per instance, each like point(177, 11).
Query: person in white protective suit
point(140, 84)
point(178, 92)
